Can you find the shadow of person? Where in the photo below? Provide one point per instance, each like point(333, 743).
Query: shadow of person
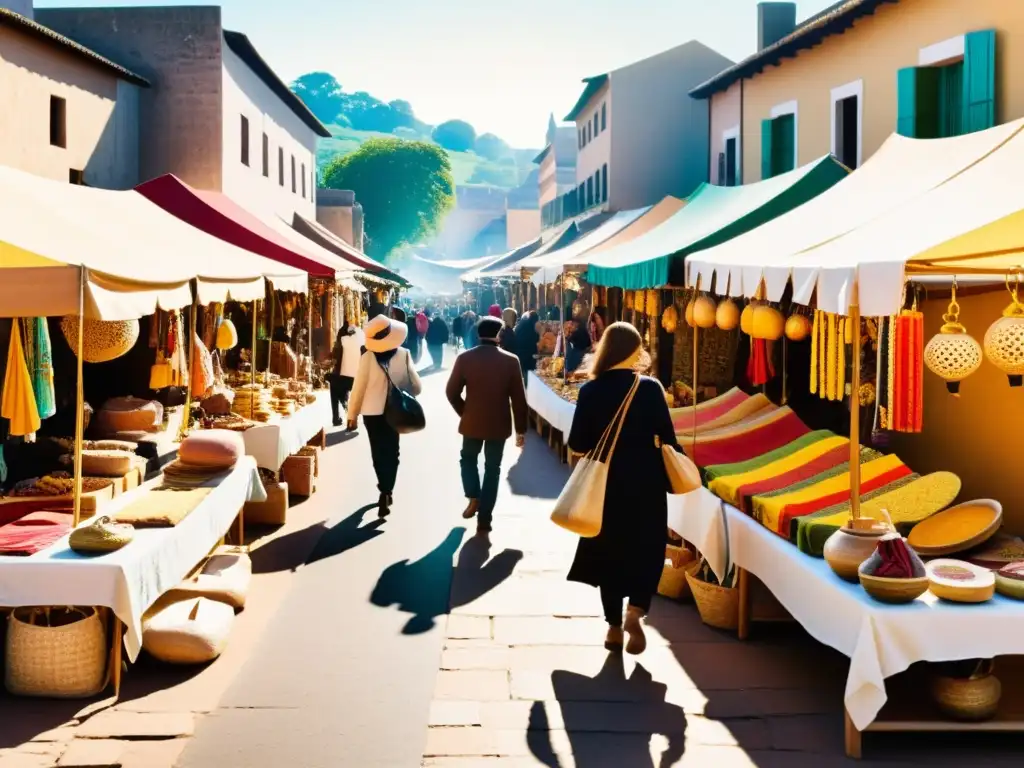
point(346, 534)
point(425, 588)
point(341, 436)
point(647, 713)
point(534, 474)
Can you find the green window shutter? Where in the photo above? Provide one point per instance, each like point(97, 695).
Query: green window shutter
point(951, 100)
point(979, 87)
point(766, 149)
point(930, 124)
point(906, 102)
point(784, 143)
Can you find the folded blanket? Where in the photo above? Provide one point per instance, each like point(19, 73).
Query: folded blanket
point(745, 445)
point(162, 507)
point(754, 406)
point(682, 418)
point(34, 532)
point(743, 426)
point(838, 455)
point(722, 470)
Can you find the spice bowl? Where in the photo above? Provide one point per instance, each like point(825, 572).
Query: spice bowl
point(895, 591)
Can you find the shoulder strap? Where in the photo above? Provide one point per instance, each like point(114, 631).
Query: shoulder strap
point(615, 424)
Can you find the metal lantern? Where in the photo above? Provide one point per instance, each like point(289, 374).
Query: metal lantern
point(1004, 340)
point(952, 354)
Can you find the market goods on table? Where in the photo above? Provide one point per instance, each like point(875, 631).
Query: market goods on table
point(893, 573)
point(101, 535)
point(960, 582)
point(1010, 580)
point(957, 529)
point(161, 507)
point(1002, 549)
point(190, 631)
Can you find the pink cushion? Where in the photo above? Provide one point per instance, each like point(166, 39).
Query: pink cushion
point(212, 448)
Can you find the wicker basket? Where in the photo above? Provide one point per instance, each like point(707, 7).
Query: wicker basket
point(298, 472)
point(56, 653)
point(673, 583)
point(311, 450)
point(718, 606)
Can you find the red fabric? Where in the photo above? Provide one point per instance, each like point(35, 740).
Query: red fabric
point(422, 324)
point(494, 311)
point(896, 563)
point(720, 407)
point(749, 444)
point(805, 508)
point(908, 376)
point(33, 533)
point(218, 215)
point(759, 366)
point(827, 461)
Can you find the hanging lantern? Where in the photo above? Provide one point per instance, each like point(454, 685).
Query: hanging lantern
point(227, 335)
point(952, 354)
point(653, 303)
point(727, 316)
point(704, 312)
point(670, 319)
point(798, 327)
point(747, 319)
point(1004, 340)
point(638, 301)
point(102, 340)
point(766, 323)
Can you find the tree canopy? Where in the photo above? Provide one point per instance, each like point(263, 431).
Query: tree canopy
point(321, 92)
point(492, 147)
point(405, 187)
point(456, 135)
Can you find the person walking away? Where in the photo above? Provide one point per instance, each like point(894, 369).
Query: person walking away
point(527, 340)
point(437, 337)
point(457, 332)
point(422, 326)
point(385, 363)
point(469, 329)
point(494, 401)
point(411, 342)
point(508, 331)
point(348, 348)
point(624, 561)
point(494, 311)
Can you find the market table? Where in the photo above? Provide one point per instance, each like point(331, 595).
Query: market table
point(273, 442)
point(548, 404)
point(880, 640)
point(129, 580)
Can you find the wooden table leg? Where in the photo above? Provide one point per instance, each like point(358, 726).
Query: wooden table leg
point(743, 629)
point(540, 426)
point(116, 646)
point(853, 738)
point(238, 535)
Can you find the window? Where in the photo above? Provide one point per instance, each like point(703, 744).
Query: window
point(245, 140)
point(731, 157)
point(597, 186)
point(293, 175)
point(280, 166)
point(582, 193)
point(303, 181)
point(604, 183)
point(779, 141)
point(58, 122)
point(604, 116)
point(581, 139)
point(312, 182)
point(590, 136)
point(77, 177)
point(846, 124)
point(590, 191)
point(597, 126)
point(266, 155)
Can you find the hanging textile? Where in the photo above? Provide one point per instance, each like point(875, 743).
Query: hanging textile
point(202, 368)
point(40, 365)
point(18, 404)
point(760, 369)
point(908, 375)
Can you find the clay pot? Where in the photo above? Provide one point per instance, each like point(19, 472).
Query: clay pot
point(846, 549)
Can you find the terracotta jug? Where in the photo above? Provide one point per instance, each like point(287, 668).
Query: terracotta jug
point(847, 548)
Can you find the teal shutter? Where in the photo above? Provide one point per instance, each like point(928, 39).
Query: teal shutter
point(766, 149)
point(979, 87)
point(906, 102)
point(930, 124)
point(951, 100)
point(784, 143)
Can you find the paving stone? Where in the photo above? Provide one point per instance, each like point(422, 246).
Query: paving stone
point(93, 753)
point(61, 733)
point(153, 754)
point(530, 596)
point(550, 630)
point(456, 713)
point(472, 685)
point(476, 658)
point(469, 627)
point(137, 725)
point(16, 759)
point(598, 716)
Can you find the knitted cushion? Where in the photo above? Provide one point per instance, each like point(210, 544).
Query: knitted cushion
point(192, 631)
point(214, 448)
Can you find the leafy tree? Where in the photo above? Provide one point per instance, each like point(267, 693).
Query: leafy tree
point(455, 135)
point(493, 176)
point(321, 92)
point(492, 147)
point(405, 188)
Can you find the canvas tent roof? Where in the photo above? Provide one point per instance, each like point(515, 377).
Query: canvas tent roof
point(712, 215)
point(318, 233)
point(134, 255)
point(550, 265)
point(658, 214)
point(309, 246)
point(500, 265)
point(914, 201)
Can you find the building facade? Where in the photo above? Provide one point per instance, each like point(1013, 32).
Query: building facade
point(69, 114)
point(844, 80)
point(217, 117)
point(639, 136)
point(557, 172)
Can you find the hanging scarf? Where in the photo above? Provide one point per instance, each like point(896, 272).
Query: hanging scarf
point(760, 369)
point(815, 330)
point(40, 365)
point(18, 404)
point(908, 393)
point(202, 368)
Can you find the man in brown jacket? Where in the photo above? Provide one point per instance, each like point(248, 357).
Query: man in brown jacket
point(494, 398)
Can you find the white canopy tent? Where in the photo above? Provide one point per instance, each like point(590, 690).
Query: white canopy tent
point(819, 239)
point(132, 256)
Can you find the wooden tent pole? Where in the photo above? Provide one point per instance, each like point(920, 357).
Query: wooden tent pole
point(855, 412)
point(79, 401)
point(252, 365)
point(183, 431)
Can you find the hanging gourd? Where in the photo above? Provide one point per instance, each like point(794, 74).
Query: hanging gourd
point(227, 335)
point(727, 316)
point(704, 312)
point(798, 327)
point(670, 319)
point(952, 354)
point(102, 340)
point(766, 323)
point(653, 303)
point(689, 313)
point(1004, 340)
point(747, 319)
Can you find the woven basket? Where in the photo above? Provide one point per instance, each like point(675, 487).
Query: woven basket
point(101, 535)
point(309, 450)
point(718, 606)
point(64, 657)
point(673, 583)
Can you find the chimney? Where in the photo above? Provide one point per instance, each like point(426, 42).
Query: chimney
point(774, 22)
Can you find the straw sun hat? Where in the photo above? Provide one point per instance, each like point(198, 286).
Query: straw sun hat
point(384, 334)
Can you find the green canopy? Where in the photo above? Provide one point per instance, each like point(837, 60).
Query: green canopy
point(711, 216)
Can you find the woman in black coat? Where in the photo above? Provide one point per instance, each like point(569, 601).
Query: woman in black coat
point(527, 340)
point(437, 337)
point(625, 560)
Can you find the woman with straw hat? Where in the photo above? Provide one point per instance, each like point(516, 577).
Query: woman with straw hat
point(386, 362)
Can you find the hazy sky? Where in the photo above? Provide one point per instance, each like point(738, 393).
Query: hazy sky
point(503, 65)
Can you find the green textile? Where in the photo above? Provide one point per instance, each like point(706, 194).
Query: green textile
point(712, 215)
point(715, 471)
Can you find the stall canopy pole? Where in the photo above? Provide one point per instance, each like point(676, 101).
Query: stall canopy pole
point(252, 363)
point(855, 414)
point(183, 432)
point(79, 402)
point(696, 355)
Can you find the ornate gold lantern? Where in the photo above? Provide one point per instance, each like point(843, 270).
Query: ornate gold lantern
point(1004, 340)
point(952, 354)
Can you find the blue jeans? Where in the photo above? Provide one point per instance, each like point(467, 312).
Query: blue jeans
point(487, 495)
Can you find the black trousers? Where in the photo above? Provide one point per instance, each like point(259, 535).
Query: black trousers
point(340, 388)
point(383, 450)
point(612, 604)
point(436, 354)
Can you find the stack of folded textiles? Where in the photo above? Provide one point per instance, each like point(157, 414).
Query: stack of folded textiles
point(747, 439)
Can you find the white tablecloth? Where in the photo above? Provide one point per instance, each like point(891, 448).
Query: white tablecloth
point(548, 404)
point(880, 640)
point(131, 579)
point(271, 443)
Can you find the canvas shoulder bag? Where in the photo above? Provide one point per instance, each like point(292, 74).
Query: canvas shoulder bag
point(402, 411)
point(580, 505)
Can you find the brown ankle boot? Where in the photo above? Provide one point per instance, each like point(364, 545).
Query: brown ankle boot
point(613, 640)
point(471, 509)
point(634, 628)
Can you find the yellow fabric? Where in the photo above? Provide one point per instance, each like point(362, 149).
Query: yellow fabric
point(913, 502)
point(743, 427)
point(831, 355)
point(814, 352)
point(728, 486)
point(841, 365)
point(769, 509)
point(19, 399)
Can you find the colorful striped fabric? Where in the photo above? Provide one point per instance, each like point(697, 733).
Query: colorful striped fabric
point(743, 427)
point(730, 488)
point(746, 444)
point(832, 458)
point(752, 407)
point(771, 510)
point(722, 470)
point(682, 418)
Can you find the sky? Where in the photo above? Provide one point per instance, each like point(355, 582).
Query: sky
point(502, 65)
